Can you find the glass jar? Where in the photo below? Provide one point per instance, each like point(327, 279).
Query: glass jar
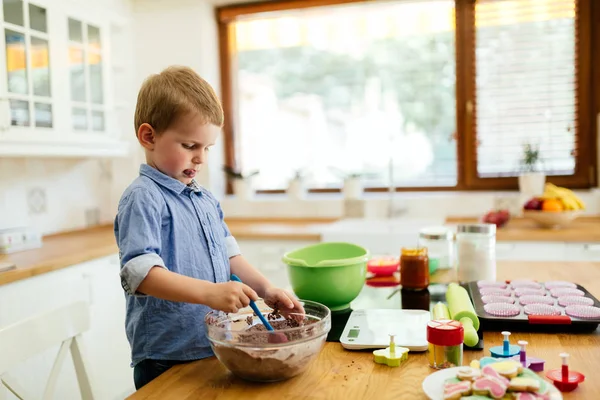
point(440, 246)
point(414, 268)
point(445, 338)
point(476, 252)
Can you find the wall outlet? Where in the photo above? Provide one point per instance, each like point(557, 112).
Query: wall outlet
point(92, 216)
point(36, 200)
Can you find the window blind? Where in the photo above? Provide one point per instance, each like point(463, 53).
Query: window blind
point(525, 85)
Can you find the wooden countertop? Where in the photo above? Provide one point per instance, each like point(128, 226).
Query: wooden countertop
point(60, 251)
point(70, 248)
point(67, 249)
point(338, 373)
point(583, 229)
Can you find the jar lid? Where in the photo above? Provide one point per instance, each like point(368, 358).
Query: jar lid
point(445, 332)
point(436, 233)
point(486, 229)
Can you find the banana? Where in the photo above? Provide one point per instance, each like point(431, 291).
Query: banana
point(569, 199)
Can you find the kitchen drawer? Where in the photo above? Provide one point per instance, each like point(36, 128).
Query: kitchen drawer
point(530, 251)
point(583, 252)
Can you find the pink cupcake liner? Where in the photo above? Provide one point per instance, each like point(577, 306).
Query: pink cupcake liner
point(495, 292)
point(524, 291)
point(560, 292)
point(583, 312)
point(533, 299)
point(497, 299)
point(541, 309)
point(565, 301)
point(525, 283)
point(502, 309)
point(559, 284)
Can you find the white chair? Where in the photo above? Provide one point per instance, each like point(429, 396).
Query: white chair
point(24, 339)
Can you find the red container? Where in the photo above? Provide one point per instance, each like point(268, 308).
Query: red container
point(383, 266)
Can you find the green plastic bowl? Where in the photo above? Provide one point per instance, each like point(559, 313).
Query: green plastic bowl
point(330, 273)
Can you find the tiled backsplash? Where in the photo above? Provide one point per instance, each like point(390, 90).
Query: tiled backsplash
point(52, 195)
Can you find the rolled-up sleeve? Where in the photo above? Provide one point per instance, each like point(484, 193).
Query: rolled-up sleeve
point(138, 238)
point(233, 249)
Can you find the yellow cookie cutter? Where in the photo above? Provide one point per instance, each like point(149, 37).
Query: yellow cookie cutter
point(391, 356)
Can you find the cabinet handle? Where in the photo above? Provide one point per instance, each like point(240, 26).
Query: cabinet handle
point(592, 247)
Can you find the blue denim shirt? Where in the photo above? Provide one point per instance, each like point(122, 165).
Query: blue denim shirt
point(162, 222)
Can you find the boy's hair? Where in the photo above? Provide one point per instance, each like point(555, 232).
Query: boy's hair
point(174, 92)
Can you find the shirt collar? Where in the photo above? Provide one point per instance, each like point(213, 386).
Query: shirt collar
point(166, 181)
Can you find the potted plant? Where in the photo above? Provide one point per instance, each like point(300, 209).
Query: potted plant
point(531, 179)
point(295, 187)
point(242, 183)
point(353, 185)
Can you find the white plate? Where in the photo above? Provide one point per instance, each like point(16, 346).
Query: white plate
point(433, 385)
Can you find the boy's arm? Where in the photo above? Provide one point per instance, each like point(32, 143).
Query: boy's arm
point(167, 285)
point(273, 296)
point(143, 271)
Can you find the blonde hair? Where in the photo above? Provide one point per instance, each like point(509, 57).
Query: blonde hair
point(174, 92)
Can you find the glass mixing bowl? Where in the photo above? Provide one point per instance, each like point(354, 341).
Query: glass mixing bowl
point(254, 355)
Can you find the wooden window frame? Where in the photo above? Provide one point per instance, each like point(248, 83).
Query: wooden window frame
point(588, 94)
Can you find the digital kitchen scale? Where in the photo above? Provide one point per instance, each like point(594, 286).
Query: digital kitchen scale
point(371, 329)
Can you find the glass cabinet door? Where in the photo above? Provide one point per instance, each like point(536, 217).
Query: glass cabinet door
point(28, 86)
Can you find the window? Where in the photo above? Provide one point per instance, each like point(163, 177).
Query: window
point(85, 62)
point(27, 64)
point(529, 89)
point(433, 94)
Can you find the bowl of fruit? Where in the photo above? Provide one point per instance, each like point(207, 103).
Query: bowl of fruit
point(556, 208)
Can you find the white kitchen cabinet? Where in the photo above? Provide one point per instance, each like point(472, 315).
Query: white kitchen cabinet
point(105, 346)
point(583, 252)
point(531, 251)
point(56, 92)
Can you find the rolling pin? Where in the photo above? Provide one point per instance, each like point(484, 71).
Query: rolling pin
point(461, 309)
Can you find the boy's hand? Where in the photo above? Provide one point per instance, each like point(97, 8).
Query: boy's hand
point(230, 296)
point(283, 301)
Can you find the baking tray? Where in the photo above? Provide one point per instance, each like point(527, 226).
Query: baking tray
point(532, 321)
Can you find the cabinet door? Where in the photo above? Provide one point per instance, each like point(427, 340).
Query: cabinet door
point(531, 251)
point(583, 252)
point(105, 347)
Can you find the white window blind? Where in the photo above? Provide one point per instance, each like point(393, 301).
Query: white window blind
point(525, 92)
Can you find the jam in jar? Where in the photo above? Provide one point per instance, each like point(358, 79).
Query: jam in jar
point(414, 268)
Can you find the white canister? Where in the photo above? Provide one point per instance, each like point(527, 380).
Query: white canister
point(476, 252)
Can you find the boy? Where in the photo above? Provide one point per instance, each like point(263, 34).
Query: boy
point(176, 251)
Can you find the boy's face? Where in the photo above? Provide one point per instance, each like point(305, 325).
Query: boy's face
point(181, 150)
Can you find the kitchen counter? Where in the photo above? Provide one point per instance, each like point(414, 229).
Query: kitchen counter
point(583, 229)
point(338, 373)
point(66, 249)
point(70, 248)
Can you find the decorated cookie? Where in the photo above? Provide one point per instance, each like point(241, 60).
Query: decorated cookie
point(508, 369)
point(454, 391)
point(468, 373)
point(489, 386)
point(489, 371)
point(524, 385)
